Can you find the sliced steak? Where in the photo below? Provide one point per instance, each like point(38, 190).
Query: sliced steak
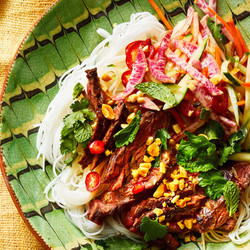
point(113, 201)
point(97, 97)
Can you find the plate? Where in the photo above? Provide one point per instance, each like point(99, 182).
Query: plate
point(63, 38)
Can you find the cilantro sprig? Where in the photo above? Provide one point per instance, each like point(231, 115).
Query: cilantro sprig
point(77, 90)
point(128, 134)
point(76, 129)
point(153, 229)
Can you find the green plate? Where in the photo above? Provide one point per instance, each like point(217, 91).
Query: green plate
point(63, 38)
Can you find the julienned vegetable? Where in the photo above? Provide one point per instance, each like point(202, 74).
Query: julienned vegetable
point(162, 165)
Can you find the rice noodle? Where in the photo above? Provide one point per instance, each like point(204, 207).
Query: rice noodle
point(67, 188)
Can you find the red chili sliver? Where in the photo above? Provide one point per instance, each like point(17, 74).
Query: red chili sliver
point(125, 77)
point(92, 181)
point(96, 147)
point(138, 187)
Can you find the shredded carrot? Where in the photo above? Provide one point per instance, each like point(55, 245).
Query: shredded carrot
point(241, 103)
point(217, 56)
point(242, 41)
point(219, 18)
point(245, 84)
point(205, 71)
point(161, 15)
point(236, 38)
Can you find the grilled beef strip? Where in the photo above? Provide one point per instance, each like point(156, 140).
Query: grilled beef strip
point(115, 201)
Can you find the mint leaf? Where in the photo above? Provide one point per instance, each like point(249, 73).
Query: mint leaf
point(68, 144)
point(83, 132)
point(163, 135)
point(213, 130)
point(216, 32)
point(77, 90)
point(128, 134)
point(116, 242)
point(153, 229)
point(158, 91)
point(213, 183)
point(197, 154)
point(231, 194)
point(83, 104)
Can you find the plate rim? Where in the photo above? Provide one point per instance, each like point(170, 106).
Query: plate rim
point(2, 163)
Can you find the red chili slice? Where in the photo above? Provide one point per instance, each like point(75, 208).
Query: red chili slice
point(125, 77)
point(186, 108)
point(96, 147)
point(92, 181)
point(138, 187)
point(219, 104)
point(132, 49)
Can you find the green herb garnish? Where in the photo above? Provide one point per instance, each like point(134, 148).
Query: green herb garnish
point(153, 229)
point(213, 130)
point(77, 90)
point(128, 134)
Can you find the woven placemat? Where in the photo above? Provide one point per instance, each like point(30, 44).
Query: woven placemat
point(16, 19)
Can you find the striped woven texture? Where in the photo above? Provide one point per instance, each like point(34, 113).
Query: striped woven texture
point(62, 39)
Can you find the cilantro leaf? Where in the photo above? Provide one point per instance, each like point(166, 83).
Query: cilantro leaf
point(216, 32)
point(153, 229)
point(71, 119)
point(83, 132)
point(77, 90)
point(83, 104)
point(72, 158)
point(213, 130)
point(128, 134)
point(116, 242)
point(213, 183)
point(197, 154)
point(158, 91)
point(231, 194)
point(68, 144)
point(234, 141)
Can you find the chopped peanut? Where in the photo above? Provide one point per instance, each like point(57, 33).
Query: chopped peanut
point(188, 223)
point(133, 98)
point(108, 152)
point(158, 211)
point(158, 141)
point(140, 100)
point(130, 117)
point(147, 159)
point(181, 184)
point(139, 94)
point(145, 165)
point(161, 218)
point(167, 194)
point(149, 140)
point(173, 186)
point(123, 125)
point(159, 191)
point(181, 203)
point(111, 102)
point(194, 221)
point(108, 112)
point(135, 173)
point(177, 128)
point(176, 198)
point(164, 204)
point(183, 172)
point(179, 223)
point(193, 238)
point(143, 171)
point(167, 224)
point(93, 126)
point(177, 145)
point(151, 158)
point(187, 199)
point(162, 167)
point(187, 238)
point(153, 149)
point(106, 77)
point(171, 141)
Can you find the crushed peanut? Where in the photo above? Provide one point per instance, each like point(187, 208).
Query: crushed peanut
point(149, 140)
point(181, 184)
point(167, 224)
point(187, 238)
point(133, 98)
point(158, 211)
point(161, 218)
point(106, 77)
point(130, 117)
point(188, 223)
point(108, 152)
point(108, 112)
point(139, 94)
point(176, 198)
point(158, 141)
point(134, 173)
point(147, 159)
point(179, 223)
point(177, 128)
point(143, 171)
point(164, 204)
point(153, 149)
point(145, 165)
point(162, 167)
point(124, 125)
point(140, 100)
point(159, 191)
point(93, 126)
